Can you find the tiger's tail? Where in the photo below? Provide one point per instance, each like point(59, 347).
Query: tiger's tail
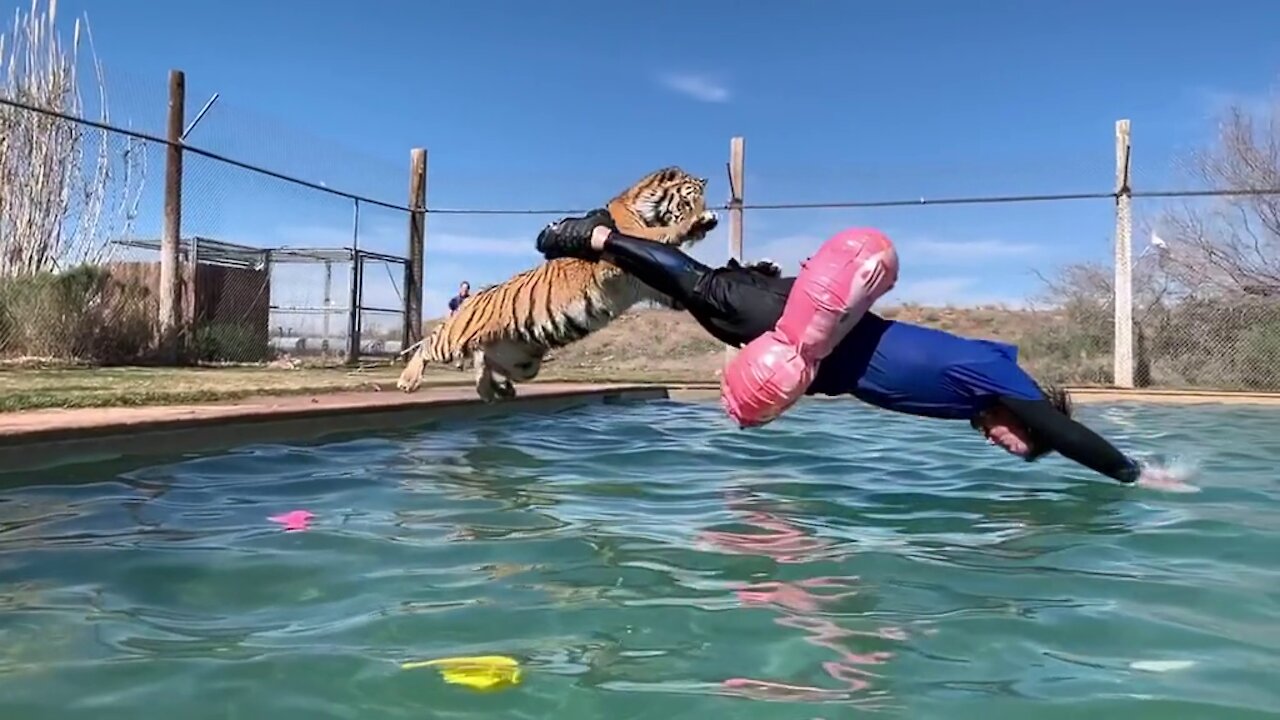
point(415, 368)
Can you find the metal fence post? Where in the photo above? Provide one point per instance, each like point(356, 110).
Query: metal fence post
point(353, 307)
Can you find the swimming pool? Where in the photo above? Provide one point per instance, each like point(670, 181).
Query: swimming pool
point(648, 561)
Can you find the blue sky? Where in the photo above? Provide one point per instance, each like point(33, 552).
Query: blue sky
point(561, 104)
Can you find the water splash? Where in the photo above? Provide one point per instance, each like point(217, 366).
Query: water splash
point(1169, 475)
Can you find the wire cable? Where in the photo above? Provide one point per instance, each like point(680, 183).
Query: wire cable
point(834, 205)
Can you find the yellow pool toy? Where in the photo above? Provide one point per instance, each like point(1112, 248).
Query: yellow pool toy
point(478, 672)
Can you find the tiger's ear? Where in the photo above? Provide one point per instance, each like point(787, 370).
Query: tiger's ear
point(669, 174)
point(702, 183)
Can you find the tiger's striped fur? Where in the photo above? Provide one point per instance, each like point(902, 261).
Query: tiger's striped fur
point(507, 329)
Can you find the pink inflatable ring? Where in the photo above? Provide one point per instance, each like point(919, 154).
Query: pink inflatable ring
point(834, 289)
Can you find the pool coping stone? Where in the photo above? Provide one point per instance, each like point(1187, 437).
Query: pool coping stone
point(33, 438)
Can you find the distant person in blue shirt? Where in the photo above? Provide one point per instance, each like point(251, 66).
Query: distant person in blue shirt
point(464, 292)
point(455, 302)
point(887, 363)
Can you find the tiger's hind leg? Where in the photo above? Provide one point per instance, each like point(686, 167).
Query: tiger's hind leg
point(489, 382)
point(505, 388)
point(492, 384)
point(505, 363)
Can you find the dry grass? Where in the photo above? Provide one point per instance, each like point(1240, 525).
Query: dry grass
point(25, 389)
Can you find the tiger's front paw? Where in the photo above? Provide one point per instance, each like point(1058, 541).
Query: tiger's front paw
point(705, 223)
point(766, 267)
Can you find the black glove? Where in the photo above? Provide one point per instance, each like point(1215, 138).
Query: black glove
point(571, 237)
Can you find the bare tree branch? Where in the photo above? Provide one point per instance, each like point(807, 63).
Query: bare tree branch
point(1233, 245)
point(65, 189)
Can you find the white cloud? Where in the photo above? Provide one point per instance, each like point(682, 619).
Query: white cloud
point(434, 303)
point(789, 250)
point(913, 285)
point(1257, 103)
point(932, 291)
point(786, 251)
point(389, 238)
point(959, 250)
point(699, 87)
point(956, 291)
point(453, 244)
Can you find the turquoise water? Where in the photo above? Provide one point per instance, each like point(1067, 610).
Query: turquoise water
point(647, 561)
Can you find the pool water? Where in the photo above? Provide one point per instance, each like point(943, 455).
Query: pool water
point(650, 561)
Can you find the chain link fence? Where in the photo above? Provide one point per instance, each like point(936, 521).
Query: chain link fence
point(268, 265)
point(1203, 274)
point(66, 189)
point(268, 295)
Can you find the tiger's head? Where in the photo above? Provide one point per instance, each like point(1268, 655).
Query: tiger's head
point(667, 198)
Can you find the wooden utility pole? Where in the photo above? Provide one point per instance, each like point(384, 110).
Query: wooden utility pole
point(737, 162)
point(413, 271)
point(170, 298)
point(1123, 346)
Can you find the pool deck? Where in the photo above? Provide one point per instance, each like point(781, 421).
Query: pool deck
point(36, 438)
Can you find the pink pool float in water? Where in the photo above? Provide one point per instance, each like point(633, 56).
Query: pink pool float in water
point(294, 520)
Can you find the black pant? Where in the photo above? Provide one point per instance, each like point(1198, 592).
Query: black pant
point(662, 267)
point(733, 303)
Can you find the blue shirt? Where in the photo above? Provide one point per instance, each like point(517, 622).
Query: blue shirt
point(921, 371)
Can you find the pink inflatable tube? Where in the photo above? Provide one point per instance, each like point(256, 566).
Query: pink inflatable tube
point(835, 288)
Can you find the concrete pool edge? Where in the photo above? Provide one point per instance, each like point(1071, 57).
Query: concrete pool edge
point(36, 438)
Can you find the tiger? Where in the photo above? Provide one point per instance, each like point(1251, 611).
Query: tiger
point(509, 328)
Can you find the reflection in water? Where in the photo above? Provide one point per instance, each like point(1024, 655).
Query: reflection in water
point(802, 603)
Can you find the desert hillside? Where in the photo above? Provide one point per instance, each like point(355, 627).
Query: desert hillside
point(671, 345)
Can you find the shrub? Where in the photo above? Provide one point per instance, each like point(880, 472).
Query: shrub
point(228, 342)
point(81, 314)
point(1259, 355)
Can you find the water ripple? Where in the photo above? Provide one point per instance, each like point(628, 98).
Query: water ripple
point(653, 561)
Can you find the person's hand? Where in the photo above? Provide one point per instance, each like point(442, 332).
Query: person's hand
point(1163, 479)
point(599, 235)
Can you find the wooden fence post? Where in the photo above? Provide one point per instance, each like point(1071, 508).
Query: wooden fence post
point(737, 163)
point(413, 270)
point(1123, 285)
point(170, 241)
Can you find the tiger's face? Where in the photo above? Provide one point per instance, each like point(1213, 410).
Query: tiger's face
point(671, 197)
